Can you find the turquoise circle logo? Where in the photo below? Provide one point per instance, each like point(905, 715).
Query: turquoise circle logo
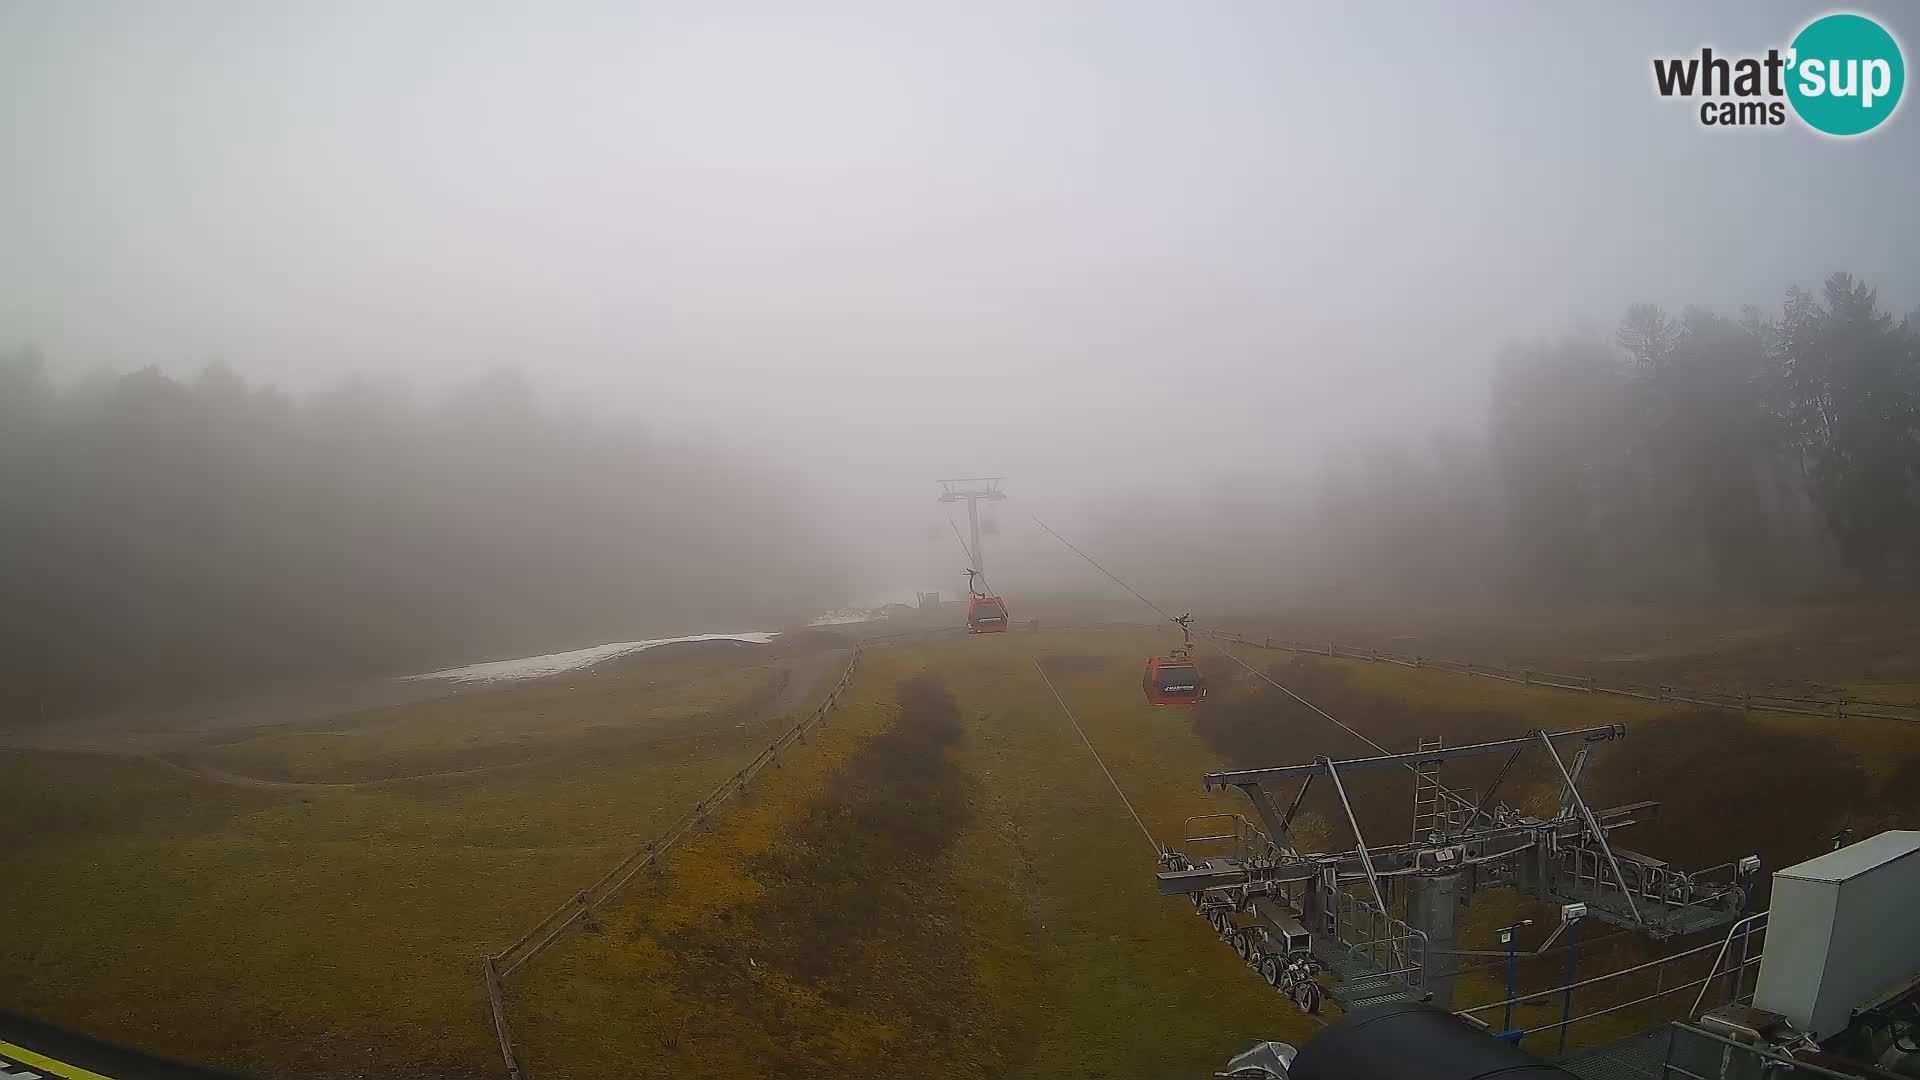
point(1846, 74)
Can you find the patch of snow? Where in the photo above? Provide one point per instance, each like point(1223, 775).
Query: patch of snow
point(536, 667)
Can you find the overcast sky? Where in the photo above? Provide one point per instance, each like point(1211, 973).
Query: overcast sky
point(1077, 243)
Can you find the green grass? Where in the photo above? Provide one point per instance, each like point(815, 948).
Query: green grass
point(579, 717)
point(1133, 984)
point(712, 968)
point(979, 904)
point(941, 882)
point(296, 932)
point(1862, 644)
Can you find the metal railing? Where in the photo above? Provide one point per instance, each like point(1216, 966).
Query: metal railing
point(1386, 943)
point(1715, 1057)
point(1838, 707)
point(1745, 929)
point(1739, 942)
point(1662, 884)
point(1249, 842)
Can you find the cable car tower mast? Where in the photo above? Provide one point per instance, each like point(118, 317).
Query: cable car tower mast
point(972, 489)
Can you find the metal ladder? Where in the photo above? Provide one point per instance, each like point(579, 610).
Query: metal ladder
point(1428, 815)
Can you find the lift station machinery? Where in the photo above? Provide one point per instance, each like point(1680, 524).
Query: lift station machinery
point(1380, 918)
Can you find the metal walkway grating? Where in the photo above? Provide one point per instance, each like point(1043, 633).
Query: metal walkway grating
point(1360, 982)
point(1637, 1057)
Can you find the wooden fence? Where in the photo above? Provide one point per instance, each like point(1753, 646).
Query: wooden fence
point(497, 967)
point(1839, 707)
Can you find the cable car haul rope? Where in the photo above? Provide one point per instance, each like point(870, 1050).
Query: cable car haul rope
point(1096, 758)
point(1174, 678)
point(1182, 621)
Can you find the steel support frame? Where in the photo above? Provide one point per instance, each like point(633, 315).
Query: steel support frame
point(1485, 808)
point(1390, 860)
point(1243, 777)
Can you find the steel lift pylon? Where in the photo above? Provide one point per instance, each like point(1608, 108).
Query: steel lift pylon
point(971, 490)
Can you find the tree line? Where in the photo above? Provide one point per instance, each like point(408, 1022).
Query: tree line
point(1686, 454)
point(166, 529)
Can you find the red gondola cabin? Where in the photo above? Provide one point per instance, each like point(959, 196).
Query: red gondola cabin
point(1174, 680)
point(986, 615)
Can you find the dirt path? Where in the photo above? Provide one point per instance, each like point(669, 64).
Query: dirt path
point(807, 679)
point(222, 776)
point(162, 730)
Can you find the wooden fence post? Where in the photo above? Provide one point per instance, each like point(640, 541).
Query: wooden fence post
point(497, 1002)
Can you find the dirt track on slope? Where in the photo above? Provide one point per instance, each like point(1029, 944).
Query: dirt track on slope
point(806, 680)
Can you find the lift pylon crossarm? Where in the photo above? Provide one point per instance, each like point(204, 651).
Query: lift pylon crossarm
point(1242, 777)
point(981, 487)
